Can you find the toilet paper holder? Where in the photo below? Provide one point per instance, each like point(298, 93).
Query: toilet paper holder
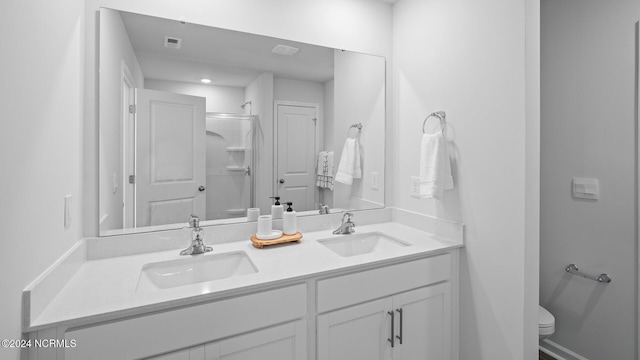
point(573, 269)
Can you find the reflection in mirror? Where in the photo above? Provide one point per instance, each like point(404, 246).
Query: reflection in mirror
point(206, 121)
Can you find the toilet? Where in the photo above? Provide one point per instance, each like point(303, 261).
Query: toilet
point(546, 323)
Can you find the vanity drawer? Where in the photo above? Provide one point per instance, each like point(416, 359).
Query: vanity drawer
point(150, 335)
point(364, 286)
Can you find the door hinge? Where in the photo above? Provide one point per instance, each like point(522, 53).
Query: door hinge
point(132, 179)
point(315, 121)
point(132, 109)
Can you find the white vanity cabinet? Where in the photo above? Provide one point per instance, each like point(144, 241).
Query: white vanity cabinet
point(357, 332)
point(417, 321)
point(282, 342)
point(341, 314)
point(425, 329)
point(231, 328)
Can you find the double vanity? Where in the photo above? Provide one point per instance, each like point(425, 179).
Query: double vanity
point(388, 291)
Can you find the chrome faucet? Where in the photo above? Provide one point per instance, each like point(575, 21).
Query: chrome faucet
point(197, 236)
point(324, 209)
point(347, 227)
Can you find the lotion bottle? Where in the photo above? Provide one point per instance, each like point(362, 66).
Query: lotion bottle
point(289, 221)
point(277, 209)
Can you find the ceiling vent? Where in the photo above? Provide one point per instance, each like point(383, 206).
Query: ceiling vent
point(285, 50)
point(172, 42)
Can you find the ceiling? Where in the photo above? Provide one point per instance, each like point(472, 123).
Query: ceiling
point(229, 58)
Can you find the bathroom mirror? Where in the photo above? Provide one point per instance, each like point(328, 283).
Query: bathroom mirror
point(208, 121)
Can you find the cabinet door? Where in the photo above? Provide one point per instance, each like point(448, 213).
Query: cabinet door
point(358, 332)
point(282, 342)
point(426, 323)
point(195, 353)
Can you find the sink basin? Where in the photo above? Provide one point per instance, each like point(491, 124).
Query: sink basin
point(193, 270)
point(359, 244)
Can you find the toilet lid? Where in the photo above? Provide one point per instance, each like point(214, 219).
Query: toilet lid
point(545, 319)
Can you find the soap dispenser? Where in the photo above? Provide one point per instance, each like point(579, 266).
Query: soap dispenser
point(289, 222)
point(276, 209)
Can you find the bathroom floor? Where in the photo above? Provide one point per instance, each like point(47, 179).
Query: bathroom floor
point(543, 356)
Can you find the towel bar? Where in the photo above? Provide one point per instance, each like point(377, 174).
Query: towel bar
point(573, 269)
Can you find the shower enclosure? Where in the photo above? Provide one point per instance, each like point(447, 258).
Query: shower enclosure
point(230, 162)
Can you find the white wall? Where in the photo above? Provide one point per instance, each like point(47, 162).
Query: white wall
point(116, 51)
point(357, 25)
point(588, 130)
point(260, 93)
point(40, 145)
point(222, 99)
point(326, 195)
point(329, 98)
point(359, 98)
point(298, 90)
point(532, 181)
point(468, 58)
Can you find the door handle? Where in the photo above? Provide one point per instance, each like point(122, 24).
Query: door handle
point(281, 181)
point(393, 338)
point(201, 188)
point(400, 335)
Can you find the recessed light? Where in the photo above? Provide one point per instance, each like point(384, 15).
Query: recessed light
point(205, 81)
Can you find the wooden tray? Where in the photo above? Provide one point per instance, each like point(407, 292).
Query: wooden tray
point(282, 239)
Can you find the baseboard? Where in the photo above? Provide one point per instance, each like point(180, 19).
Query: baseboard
point(559, 352)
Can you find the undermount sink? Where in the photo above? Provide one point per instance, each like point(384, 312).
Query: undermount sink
point(359, 244)
point(193, 270)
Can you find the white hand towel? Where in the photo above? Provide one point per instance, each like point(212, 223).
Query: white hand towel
point(435, 166)
point(324, 179)
point(349, 167)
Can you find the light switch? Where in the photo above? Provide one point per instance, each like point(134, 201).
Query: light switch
point(415, 186)
point(585, 188)
point(374, 180)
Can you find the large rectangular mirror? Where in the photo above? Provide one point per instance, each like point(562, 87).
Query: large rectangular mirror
point(207, 121)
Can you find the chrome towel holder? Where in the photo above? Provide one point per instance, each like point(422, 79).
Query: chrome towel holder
point(358, 126)
point(440, 115)
point(573, 269)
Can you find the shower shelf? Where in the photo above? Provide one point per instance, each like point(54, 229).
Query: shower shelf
point(236, 148)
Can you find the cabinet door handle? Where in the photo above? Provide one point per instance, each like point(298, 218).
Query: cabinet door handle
point(400, 336)
point(393, 338)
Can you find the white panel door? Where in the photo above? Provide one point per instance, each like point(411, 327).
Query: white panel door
point(282, 342)
point(170, 157)
point(423, 322)
point(358, 332)
point(296, 155)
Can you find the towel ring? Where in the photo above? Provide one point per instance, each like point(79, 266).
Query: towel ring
point(440, 115)
point(357, 126)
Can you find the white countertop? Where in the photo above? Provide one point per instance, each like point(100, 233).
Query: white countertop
point(105, 289)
